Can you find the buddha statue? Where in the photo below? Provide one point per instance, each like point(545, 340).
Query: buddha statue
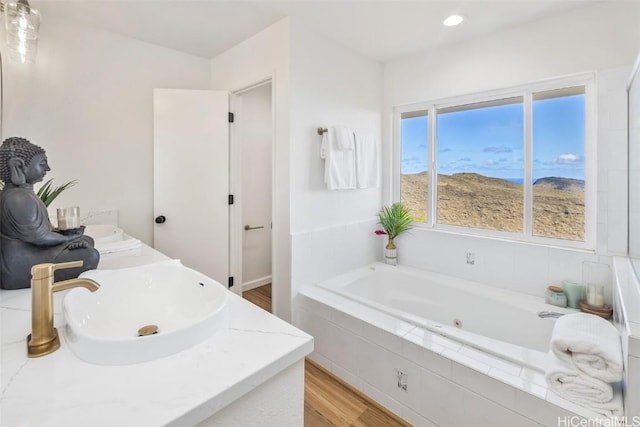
point(26, 235)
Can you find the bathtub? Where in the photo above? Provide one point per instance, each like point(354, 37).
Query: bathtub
point(420, 343)
point(496, 321)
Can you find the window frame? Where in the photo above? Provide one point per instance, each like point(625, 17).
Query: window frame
point(526, 91)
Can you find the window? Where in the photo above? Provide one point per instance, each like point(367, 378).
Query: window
point(558, 163)
point(415, 155)
point(480, 171)
point(511, 163)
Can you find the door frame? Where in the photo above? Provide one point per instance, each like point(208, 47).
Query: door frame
point(235, 186)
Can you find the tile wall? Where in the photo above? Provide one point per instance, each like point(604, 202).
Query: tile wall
point(320, 254)
point(627, 320)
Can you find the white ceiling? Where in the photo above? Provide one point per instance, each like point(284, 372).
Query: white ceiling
point(380, 29)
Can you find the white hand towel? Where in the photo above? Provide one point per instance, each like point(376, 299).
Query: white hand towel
point(367, 170)
point(574, 385)
point(590, 343)
point(340, 165)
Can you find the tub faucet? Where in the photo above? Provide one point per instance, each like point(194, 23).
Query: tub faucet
point(44, 337)
point(544, 314)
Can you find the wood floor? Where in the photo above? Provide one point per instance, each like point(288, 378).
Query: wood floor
point(260, 296)
point(328, 401)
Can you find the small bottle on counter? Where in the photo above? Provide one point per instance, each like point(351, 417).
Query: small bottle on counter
point(555, 296)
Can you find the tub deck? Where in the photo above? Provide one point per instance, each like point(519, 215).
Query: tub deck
point(372, 349)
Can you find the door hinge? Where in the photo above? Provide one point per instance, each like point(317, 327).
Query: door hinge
point(231, 282)
point(231, 199)
point(231, 117)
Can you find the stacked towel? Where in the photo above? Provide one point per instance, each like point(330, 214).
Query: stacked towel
point(367, 170)
point(590, 343)
point(118, 246)
point(338, 150)
point(575, 385)
point(584, 362)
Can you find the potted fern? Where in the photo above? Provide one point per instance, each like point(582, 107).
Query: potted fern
point(395, 220)
point(47, 193)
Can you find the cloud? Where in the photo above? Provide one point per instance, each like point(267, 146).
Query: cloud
point(568, 159)
point(497, 150)
point(446, 150)
point(489, 162)
point(412, 160)
point(466, 159)
point(413, 164)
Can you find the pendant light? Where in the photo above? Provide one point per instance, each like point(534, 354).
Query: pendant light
point(21, 24)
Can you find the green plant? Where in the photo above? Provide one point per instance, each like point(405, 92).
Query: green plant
point(48, 194)
point(395, 219)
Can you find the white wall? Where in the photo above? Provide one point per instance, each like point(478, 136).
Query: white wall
point(332, 231)
point(266, 55)
point(317, 233)
point(88, 101)
point(603, 38)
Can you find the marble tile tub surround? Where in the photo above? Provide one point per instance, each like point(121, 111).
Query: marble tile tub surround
point(371, 351)
point(183, 389)
point(327, 252)
point(520, 267)
point(626, 317)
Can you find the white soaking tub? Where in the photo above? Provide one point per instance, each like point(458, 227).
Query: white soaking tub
point(497, 321)
point(422, 344)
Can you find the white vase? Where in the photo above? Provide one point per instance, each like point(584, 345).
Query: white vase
point(391, 253)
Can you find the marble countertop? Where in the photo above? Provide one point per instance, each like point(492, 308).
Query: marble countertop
point(183, 389)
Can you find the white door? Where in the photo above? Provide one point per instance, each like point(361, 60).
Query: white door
point(255, 123)
point(191, 178)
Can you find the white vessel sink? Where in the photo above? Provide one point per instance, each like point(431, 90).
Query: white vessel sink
point(104, 233)
point(184, 305)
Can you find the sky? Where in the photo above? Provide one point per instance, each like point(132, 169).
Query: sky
point(489, 141)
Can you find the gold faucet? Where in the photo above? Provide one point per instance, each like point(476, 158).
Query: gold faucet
point(43, 338)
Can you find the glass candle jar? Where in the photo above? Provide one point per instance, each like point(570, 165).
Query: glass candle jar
point(595, 295)
point(68, 218)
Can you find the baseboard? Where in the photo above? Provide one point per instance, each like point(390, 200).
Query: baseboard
point(261, 281)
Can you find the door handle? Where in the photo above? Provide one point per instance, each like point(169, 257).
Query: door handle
point(248, 227)
point(160, 219)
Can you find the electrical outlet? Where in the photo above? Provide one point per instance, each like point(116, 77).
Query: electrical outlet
point(401, 379)
point(471, 258)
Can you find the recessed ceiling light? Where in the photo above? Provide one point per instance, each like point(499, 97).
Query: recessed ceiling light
point(453, 20)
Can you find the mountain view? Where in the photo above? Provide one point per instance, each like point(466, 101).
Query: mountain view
point(474, 200)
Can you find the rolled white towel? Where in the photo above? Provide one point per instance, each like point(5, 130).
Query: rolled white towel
point(590, 343)
point(574, 385)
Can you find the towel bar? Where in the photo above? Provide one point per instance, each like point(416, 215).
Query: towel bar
point(322, 131)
